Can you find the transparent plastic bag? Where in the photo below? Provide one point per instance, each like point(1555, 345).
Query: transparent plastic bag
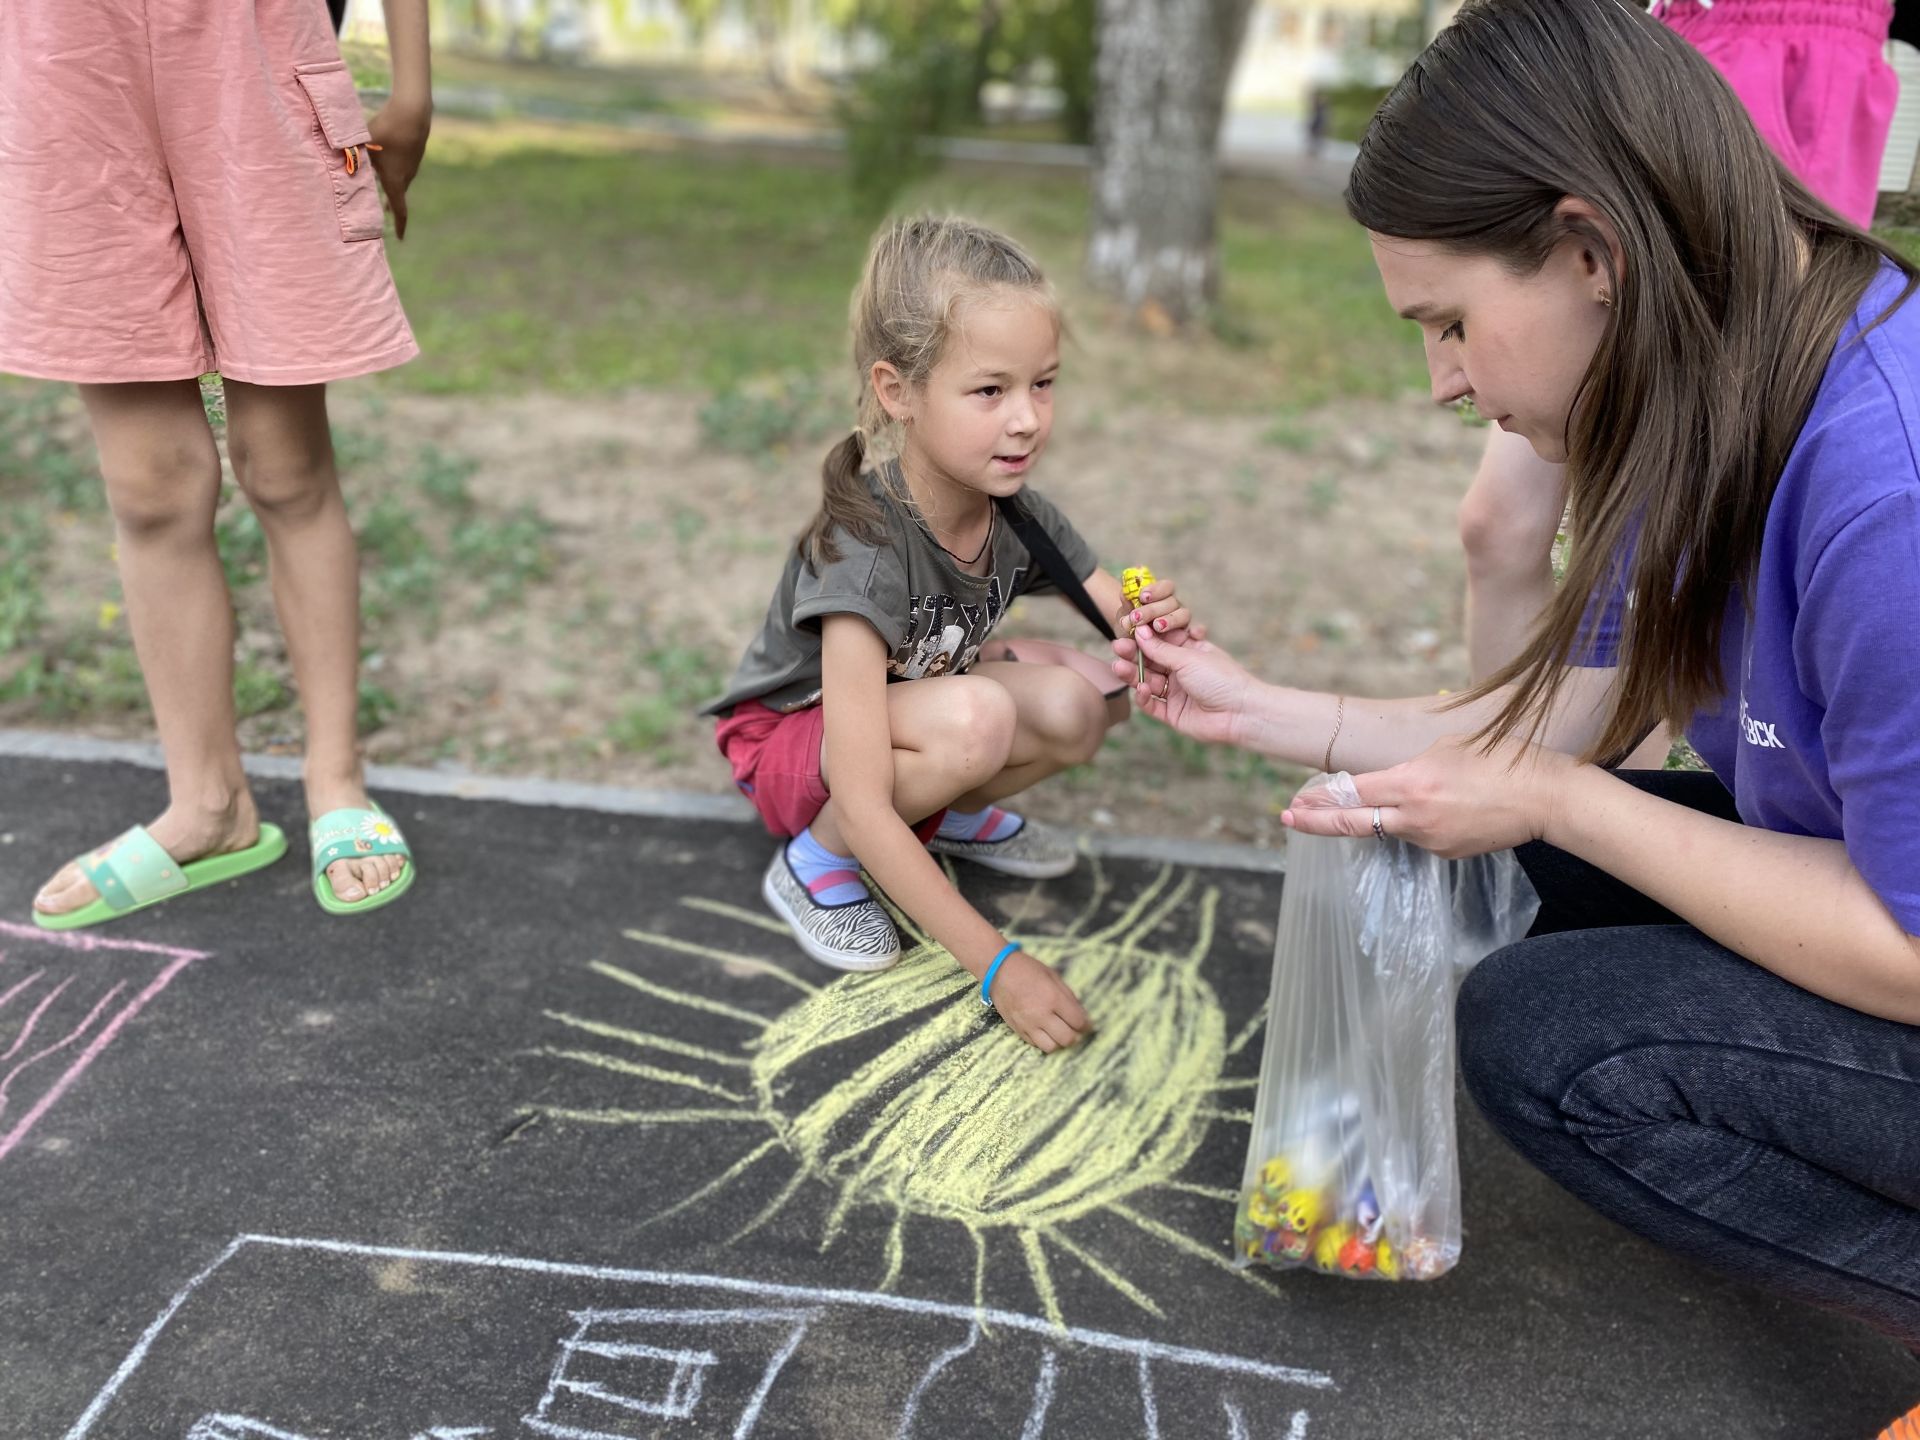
point(1352, 1168)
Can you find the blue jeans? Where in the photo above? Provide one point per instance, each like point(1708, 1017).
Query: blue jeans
point(1698, 1099)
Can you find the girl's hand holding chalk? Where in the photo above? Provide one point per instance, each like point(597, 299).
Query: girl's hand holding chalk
point(1038, 1005)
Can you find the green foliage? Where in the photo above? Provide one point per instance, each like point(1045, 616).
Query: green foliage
point(257, 689)
point(770, 417)
point(33, 447)
point(421, 536)
point(1906, 241)
point(505, 552)
point(1289, 434)
point(684, 678)
point(23, 605)
point(939, 56)
point(1350, 109)
point(402, 572)
point(443, 478)
point(83, 674)
point(582, 269)
point(356, 450)
point(1067, 35)
point(242, 545)
point(926, 87)
point(1323, 495)
point(376, 706)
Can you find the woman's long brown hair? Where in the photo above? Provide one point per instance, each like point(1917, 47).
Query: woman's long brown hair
point(1735, 287)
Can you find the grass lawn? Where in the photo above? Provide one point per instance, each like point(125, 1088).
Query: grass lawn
point(578, 259)
point(515, 84)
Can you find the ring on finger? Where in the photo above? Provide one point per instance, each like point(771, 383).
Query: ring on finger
point(1379, 831)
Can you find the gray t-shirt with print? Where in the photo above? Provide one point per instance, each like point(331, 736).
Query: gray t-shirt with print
point(932, 614)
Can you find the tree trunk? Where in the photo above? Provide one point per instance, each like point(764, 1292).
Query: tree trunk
point(1162, 74)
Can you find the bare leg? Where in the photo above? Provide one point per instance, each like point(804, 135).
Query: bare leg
point(966, 741)
point(282, 452)
point(1060, 720)
point(162, 473)
point(949, 736)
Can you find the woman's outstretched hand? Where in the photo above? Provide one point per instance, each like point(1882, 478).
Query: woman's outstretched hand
point(1453, 799)
point(1196, 687)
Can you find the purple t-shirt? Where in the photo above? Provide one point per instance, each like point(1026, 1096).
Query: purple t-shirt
point(1819, 733)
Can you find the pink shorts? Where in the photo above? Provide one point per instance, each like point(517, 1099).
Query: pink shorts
point(1814, 76)
point(776, 764)
point(184, 187)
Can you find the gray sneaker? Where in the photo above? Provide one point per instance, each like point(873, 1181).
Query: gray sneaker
point(855, 936)
point(1033, 852)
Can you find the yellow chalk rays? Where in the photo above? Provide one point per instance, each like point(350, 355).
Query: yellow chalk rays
point(956, 1119)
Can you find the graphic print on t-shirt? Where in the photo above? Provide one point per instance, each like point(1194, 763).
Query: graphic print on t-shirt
point(1754, 732)
point(943, 635)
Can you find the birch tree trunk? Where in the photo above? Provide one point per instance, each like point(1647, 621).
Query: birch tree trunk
point(1162, 75)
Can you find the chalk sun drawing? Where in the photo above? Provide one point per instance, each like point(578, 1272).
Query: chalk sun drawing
point(946, 1122)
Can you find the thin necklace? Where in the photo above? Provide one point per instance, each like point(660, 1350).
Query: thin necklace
point(993, 519)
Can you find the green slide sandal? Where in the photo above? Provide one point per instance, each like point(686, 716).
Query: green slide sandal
point(356, 835)
point(134, 872)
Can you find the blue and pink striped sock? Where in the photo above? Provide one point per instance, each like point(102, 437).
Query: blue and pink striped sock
point(986, 825)
point(831, 879)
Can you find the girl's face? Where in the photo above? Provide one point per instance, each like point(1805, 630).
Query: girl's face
point(1517, 346)
point(984, 414)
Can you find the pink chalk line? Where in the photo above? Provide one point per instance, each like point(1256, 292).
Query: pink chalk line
point(177, 960)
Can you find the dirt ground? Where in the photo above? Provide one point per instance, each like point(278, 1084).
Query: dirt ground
point(1319, 546)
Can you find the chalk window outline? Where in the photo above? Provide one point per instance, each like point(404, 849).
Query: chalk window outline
point(686, 1383)
point(683, 1383)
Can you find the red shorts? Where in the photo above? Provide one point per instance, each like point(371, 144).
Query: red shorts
point(776, 764)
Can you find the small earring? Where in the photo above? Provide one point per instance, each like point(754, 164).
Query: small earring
point(1606, 299)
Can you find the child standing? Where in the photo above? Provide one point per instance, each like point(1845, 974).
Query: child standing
point(901, 577)
point(186, 188)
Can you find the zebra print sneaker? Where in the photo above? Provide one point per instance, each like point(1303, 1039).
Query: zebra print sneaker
point(854, 936)
point(1033, 852)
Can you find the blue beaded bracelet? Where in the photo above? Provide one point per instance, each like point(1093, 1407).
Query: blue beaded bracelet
point(986, 981)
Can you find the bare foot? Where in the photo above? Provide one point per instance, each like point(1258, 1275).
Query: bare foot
point(352, 880)
point(186, 832)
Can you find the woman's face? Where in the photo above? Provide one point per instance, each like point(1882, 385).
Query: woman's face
point(1517, 346)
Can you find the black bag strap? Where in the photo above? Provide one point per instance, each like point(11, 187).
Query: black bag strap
point(1052, 563)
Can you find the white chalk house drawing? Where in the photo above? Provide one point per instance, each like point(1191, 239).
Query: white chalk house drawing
point(932, 1112)
point(313, 1339)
